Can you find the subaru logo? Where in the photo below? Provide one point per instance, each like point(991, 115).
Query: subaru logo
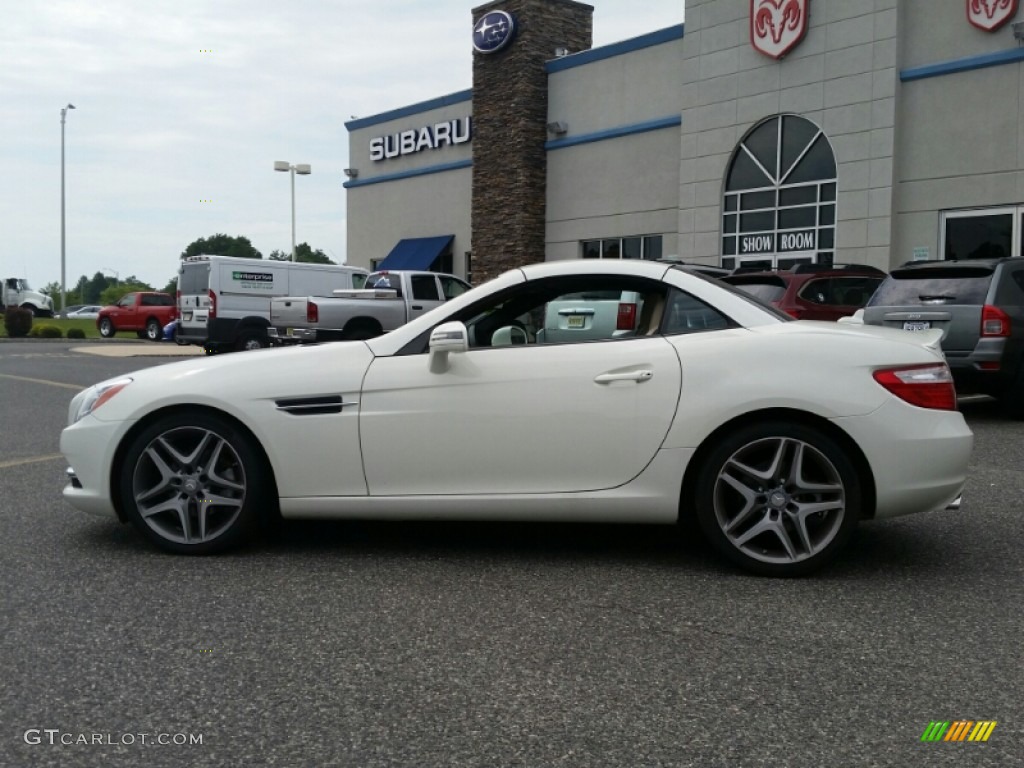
point(493, 31)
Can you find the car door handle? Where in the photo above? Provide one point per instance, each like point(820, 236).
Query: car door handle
point(641, 375)
point(417, 306)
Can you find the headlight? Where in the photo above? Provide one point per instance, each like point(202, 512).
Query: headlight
point(88, 400)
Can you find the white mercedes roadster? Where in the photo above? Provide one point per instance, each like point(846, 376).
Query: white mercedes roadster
point(619, 392)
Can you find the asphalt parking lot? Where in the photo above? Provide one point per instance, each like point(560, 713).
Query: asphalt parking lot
point(353, 644)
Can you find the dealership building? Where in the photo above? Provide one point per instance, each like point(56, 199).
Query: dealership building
point(757, 133)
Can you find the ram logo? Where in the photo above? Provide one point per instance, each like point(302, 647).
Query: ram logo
point(990, 15)
point(777, 26)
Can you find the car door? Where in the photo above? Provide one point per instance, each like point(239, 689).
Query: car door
point(424, 294)
point(523, 418)
point(123, 310)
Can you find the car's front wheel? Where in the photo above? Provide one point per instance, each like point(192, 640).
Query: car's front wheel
point(106, 328)
point(193, 483)
point(153, 330)
point(778, 499)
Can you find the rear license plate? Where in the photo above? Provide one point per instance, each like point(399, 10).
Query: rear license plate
point(186, 316)
point(921, 325)
point(576, 321)
point(289, 331)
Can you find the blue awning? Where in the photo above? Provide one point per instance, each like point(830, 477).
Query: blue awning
point(416, 252)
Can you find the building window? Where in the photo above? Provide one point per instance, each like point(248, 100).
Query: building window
point(982, 234)
point(637, 247)
point(779, 207)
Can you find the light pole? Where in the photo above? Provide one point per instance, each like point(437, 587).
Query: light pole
point(63, 289)
point(301, 169)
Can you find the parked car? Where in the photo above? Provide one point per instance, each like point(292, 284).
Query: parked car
point(390, 299)
point(449, 417)
point(811, 291)
point(85, 312)
point(979, 307)
point(145, 312)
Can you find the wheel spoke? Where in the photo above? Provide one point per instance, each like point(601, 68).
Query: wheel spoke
point(214, 475)
point(166, 473)
point(749, 502)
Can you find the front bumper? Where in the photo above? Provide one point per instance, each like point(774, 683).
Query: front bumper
point(88, 446)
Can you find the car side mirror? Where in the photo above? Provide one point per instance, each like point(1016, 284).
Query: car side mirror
point(444, 340)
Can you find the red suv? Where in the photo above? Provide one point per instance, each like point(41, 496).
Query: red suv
point(812, 291)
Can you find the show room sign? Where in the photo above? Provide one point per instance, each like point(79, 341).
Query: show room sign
point(782, 242)
point(436, 136)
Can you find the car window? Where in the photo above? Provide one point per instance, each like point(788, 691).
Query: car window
point(850, 291)
point(819, 291)
point(127, 300)
point(424, 288)
point(687, 314)
point(566, 310)
point(950, 285)
point(767, 288)
point(385, 280)
point(452, 287)
point(1018, 278)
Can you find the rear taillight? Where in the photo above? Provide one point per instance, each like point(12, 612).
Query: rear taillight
point(213, 304)
point(994, 322)
point(312, 312)
point(926, 386)
point(627, 317)
point(794, 312)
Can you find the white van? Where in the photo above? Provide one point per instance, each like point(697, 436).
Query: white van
point(224, 302)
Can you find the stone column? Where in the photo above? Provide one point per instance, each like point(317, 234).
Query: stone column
point(510, 108)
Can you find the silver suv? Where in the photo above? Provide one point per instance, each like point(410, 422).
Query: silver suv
point(979, 307)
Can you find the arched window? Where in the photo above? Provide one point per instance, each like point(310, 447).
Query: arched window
point(780, 197)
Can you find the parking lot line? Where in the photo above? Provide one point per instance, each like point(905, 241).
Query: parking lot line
point(75, 387)
point(32, 460)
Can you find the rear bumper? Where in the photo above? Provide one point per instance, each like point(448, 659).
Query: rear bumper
point(297, 335)
point(918, 457)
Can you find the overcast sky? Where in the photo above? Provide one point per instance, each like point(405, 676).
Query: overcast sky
point(179, 103)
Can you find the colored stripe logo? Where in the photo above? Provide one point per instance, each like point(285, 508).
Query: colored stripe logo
point(958, 730)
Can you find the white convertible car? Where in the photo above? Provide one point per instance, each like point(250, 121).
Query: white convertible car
point(779, 436)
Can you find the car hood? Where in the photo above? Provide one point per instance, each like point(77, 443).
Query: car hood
point(230, 381)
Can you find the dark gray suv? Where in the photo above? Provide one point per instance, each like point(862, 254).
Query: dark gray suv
point(978, 305)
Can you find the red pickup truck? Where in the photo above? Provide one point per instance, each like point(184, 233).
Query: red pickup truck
point(145, 312)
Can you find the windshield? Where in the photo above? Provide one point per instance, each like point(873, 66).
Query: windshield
point(23, 285)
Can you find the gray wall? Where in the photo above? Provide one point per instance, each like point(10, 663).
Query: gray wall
point(961, 136)
point(379, 215)
point(842, 77)
point(623, 186)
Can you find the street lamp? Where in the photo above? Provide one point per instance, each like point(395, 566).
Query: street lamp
point(63, 289)
point(301, 169)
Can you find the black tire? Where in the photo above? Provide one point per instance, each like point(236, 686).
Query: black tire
point(360, 332)
point(250, 340)
point(107, 329)
point(1011, 401)
point(33, 309)
point(153, 330)
point(756, 482)
point(178, 462)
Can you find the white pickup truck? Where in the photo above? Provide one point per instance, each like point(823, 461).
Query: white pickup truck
point(16, 292)
point(390, 299)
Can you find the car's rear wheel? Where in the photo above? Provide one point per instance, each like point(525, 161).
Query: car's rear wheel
point(106, 328)
point(778, 499)
point(361, 331)
point(153, 330)
point(193, 484)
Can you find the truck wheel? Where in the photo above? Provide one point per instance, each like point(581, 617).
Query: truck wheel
point(31, 308)
point(106, 328)
point(250, 340)
point(360, 332)
point(153, 330)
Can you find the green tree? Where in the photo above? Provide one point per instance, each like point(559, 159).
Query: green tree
point(304, 253)
point(222, 245)
point(172, 286)
point(95, 287)
point(112, 294)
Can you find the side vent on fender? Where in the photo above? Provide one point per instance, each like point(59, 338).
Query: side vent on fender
point(312, 406)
